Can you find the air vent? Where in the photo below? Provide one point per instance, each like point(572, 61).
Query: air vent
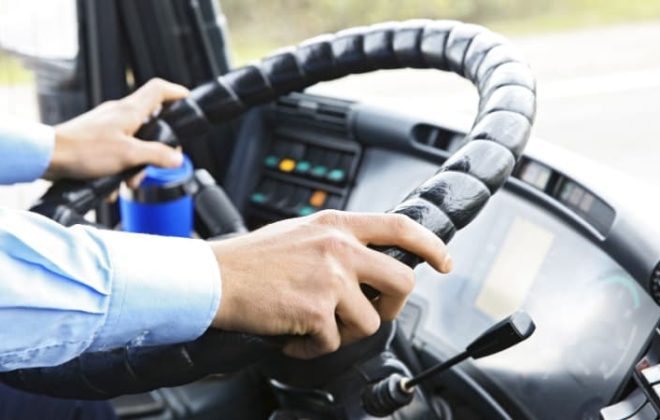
point(655, 284)
point(328, 112)
point(436, 137)
point(336, 112)
point(287, 102)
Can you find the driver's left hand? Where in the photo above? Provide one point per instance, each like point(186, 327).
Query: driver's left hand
point(101, 142)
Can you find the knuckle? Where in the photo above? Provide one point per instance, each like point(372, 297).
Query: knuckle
point(130, 154)
point(328, 217)
point(110, 104)
point(334, 346)
point(156, 83)
point(126, 107)
point(370, 324)
point(335, 279)
point(401, 223)
point(316, 318)
point(335, 243)
point(406, 281)
point(331, 344)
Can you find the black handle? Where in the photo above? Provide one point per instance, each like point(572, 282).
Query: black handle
point(215, 211)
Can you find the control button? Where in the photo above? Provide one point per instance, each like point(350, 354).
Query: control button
point(625, 408)
point(296, 151)
point(647, 412)
point(280, 147)
point(271, 161)
point(258, 198)
point(318, 168)
point(652, 374)
point(331, 159)
point(264, 192)
point(318, 198)
point(336, 175)
point(319, 171)
point(303, 167)
point(283, 196)
point(656, 390)
point(333, 202)
point(287, 165)
point(299, 199)
point(306, 211)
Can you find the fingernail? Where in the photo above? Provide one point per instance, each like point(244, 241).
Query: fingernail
point(176, 158)
point(447, 264)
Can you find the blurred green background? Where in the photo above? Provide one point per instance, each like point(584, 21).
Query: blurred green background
point(258, 26)
point(12, 72)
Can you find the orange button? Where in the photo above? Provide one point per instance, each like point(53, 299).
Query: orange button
point(318, 198)
point(287, 165)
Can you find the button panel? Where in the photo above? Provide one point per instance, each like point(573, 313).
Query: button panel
point(301, 176)
point(312, 161)
point(289, 200)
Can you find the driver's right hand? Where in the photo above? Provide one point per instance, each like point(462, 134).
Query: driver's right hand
point(302, 277)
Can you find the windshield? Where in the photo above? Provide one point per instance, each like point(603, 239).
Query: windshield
point(44, 29)
point(597, 64)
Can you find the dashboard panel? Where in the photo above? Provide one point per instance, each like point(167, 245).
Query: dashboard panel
point(302, 174)
point(540, 246)
point(592, 317)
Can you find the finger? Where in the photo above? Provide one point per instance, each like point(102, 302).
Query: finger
point(151, 96)
point(153, 153)
point(112, 198)
point(357, 316)
point(401, 231)
point(323, 341)
point(136, 180)
point(393, 279)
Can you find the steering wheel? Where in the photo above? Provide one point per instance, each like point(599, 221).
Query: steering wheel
point(446, 202)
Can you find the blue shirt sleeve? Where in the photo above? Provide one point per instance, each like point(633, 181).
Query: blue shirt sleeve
point(25, 150)
point(64, 291)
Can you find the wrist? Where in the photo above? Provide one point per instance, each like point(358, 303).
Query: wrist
point(226, 310)
point(61, 157)
point(218, 318)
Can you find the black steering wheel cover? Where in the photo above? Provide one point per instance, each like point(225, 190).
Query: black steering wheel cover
point(445, 203)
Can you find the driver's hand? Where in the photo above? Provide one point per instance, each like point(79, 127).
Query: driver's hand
point(302, 277)
point(100, 142)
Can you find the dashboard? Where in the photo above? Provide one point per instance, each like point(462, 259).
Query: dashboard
point(592, 318)
point(542, 245)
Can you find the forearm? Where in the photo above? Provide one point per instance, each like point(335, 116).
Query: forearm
point(25, 150)
point(66, 291)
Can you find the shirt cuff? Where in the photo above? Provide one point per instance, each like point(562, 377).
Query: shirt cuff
point(29, 148)
point(165, 290)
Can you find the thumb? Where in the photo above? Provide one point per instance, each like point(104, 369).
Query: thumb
point(153, 153)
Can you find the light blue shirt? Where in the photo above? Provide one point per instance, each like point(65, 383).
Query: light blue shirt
point(64, 291)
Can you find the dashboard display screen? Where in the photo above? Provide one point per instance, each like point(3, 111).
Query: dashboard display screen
point(592, 319)
point(511, 275)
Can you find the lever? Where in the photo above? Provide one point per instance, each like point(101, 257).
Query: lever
point(214, 209)
point(395, 391)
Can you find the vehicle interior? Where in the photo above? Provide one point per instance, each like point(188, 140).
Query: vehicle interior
point(571, 244)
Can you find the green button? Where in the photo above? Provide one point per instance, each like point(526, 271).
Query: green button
point(336, 175)
point(303, 166)
point(306, 211)
point(258, 198)
point(271, 161)
point(319, 171)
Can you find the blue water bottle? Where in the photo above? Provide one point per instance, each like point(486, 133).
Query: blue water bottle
point(162, 204)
